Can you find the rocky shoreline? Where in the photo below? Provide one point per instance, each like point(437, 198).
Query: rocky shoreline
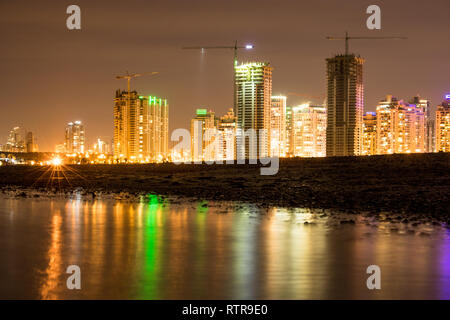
point(402, 185)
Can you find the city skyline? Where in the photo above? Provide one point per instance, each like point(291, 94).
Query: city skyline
point(141, 124)
point(141, 127)
point(191, 80)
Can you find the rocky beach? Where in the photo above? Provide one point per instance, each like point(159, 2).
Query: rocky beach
point(416, 184)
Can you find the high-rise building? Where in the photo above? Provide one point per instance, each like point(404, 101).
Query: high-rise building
point(141, 127)
point(425, 106)
point(277, 133)
point(400, 127)
point(153, 129)
point(75, 137)
point(227, 129)
point(370, 134)
point(289, 151)
point(309, 131)
point(443, 126)
point(31, 144)
point(253, 102)
point(345, 102)
point(204, 136)
point(15, 142)
point(126, 125)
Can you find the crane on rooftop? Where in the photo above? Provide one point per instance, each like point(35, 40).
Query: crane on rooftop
point(347, 38)
point(130, 76)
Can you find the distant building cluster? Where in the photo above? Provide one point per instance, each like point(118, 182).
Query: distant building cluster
point(338, 128)
point(20, 140)
point(401, 127)
point(76, 149)
point(260, 125)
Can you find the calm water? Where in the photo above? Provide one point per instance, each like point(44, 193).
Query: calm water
point(196, 250)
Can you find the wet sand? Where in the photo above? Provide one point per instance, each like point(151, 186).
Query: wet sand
point(407, 184)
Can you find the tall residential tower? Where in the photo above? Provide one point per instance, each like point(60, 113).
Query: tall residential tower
point(425, 106)
point(203, 136)
point(309, 131)
point(370, 134)
point(277, 133)
point(75, 138)
point(345, 101)
point(443, 127)
point(252, 109)
point(141, 127)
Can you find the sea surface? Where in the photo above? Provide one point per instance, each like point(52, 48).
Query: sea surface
point(160, 248)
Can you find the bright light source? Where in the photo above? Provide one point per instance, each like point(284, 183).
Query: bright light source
point(56, 161)
point(249, 46)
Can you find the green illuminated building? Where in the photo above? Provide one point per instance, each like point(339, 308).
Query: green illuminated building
point(203, 127)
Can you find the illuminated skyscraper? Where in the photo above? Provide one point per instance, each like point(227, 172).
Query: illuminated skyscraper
point(425, 106)
point(153, 129)
point(203, 136)
point(370, 134)
point(400, 127)
point(126, 125)
point(75, 137)
point(345, 101)
point(30, 142)
point(227, 129)
point(141, 127)
point(443, 126)
point(289, 151)
point(253, 103)
point(277, 133)
point(309, 131)
point(15, 142)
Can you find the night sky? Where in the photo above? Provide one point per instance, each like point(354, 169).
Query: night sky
point(51, 75)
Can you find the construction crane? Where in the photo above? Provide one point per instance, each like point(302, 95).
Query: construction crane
point(236, 47)
point(129, 76)
point(347, 38)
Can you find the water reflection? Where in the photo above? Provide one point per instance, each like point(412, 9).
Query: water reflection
point(163, 249)
point(53, 272)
